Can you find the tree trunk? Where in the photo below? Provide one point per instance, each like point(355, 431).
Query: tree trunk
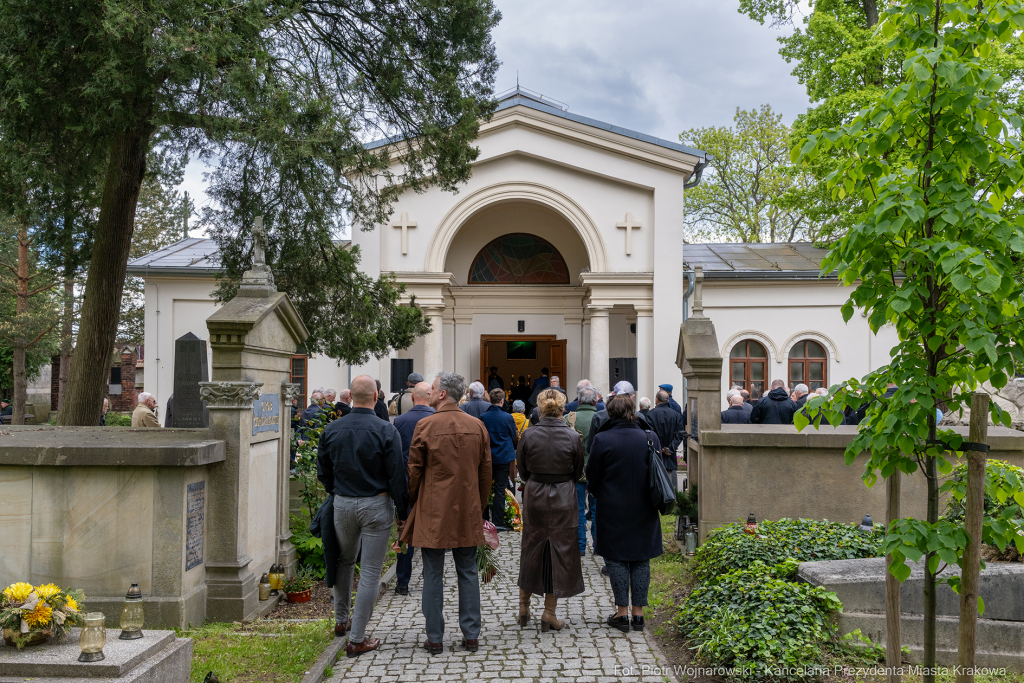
point(930, 592)
point(893, 647)
point(83, 399)
point(871, 12)
point(975, 511)
point(20, 342)
point(66, 328)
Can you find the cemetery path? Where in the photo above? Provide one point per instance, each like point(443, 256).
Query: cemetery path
point(586, 650)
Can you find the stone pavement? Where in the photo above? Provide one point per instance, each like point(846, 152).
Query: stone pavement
point(586, 650)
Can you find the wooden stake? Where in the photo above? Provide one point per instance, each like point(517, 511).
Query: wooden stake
point(893, 651)
point(973, 513)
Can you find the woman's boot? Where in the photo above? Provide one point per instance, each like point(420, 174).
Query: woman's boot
point(524, 607)
point(548, 620)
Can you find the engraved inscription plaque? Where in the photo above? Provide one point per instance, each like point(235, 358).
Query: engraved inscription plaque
point(196, 512)
point(266, 414)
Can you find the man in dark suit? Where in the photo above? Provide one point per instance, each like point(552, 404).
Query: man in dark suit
point(735, 414)
point(670, 428)
point(671, 401)
point(406, 425)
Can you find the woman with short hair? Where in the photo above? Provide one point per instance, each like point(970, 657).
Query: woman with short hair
point(519, 415)
point(629, 526)
point(550, 462)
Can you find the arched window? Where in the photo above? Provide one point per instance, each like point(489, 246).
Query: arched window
point(519, 259)
point(808, 364)
point(748, 362)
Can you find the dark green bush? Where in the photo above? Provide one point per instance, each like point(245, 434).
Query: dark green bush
point(757, 620)
point(803, 540)
point(119, 419)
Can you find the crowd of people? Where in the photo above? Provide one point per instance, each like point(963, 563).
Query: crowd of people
point(441, 463)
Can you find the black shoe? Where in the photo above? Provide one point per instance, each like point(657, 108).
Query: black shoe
point(604, 571)
point(638, 623)
point(583, 552)
point(503, 528)
point(402, 589)
point(621, 623)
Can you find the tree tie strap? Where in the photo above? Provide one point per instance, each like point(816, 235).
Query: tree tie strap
point(965, 446)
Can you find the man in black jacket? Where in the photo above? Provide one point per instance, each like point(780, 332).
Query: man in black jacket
point(736, 414)
point(359, 460)
point(670, 427)
point(775, 407)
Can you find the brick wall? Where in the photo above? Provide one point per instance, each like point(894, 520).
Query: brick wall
point(125, 403)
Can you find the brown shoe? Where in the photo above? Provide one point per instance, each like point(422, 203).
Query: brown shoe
point(471, 644)
point(433, 648)
point(341, 629)
point(356, 649)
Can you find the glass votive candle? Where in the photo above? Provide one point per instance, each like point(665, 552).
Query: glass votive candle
point(92, 638)
point(132, 615)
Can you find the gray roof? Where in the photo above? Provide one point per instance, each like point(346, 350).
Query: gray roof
point(194, 256)
point(523, 97)
point(755, 261)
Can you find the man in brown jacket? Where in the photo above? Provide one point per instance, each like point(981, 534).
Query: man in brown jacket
point(449, 482)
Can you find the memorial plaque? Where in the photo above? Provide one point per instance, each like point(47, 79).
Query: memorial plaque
point(266, 414)
point(190, 368)
point(194, 524)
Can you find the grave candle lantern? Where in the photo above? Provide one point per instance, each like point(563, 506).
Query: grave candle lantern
point(93, 638)
point(132, 616)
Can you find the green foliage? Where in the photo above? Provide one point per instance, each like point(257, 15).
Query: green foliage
point(119, 419)
point(756, 619)
point(305, 579)
point(309, 548)
point(686, 501)
point(743, 196)
point(803, 540)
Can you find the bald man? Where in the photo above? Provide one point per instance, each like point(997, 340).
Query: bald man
point(360, 463)
point(406, 425)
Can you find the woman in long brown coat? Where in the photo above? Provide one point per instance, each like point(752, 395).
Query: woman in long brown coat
point(550, 461)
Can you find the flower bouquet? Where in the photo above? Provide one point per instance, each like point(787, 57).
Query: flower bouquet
point(31, 615)
point(486, 556)
point(513, 513)
point(299, 588)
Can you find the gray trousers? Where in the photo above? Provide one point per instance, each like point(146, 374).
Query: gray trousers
point(366, 522)
point(433, 592)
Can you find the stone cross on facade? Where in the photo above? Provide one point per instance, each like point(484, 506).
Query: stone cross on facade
point(629, 225)
point(404, 223)
point(698, 292)
point(259, 237)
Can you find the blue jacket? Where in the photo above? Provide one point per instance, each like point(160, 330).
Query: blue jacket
point(406, 426)
point(501, 427)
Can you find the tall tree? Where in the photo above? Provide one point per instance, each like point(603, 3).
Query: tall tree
point(278, 89)
point(746, 195)
point(30, 325)
point(934, 159)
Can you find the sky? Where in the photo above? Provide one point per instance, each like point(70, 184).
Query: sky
point(656, 66)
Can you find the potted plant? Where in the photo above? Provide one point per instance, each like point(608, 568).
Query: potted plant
point(32, 615)
point(299, 588)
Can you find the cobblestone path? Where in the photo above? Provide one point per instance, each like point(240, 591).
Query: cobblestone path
point(586, 650)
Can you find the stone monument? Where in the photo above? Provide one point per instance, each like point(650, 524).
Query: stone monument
point(190, 368)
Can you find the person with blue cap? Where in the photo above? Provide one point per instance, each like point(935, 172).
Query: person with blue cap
point(671, 401)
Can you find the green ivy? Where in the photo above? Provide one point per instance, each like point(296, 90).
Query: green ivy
point(756, 621)
point(309, 548)
point(804, 540)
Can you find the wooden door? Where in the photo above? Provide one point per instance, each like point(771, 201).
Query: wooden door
point(557, 364)
point(485, 362)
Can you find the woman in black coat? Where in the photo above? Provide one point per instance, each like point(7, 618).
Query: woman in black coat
point(628, 525)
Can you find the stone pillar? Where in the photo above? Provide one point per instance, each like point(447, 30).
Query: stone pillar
point(645, 351)
point(598, 372)
point(231, 584)
point(433, 343)
point(286, 553)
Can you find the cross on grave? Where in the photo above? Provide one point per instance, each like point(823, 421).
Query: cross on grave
point(259, 237)
point(629, 225)
point(698, 292)
point(404, 223)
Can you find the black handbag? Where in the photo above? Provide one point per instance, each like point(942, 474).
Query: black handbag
point(662, 495)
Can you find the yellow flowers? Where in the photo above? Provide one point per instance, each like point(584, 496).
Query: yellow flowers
point(18, 592)
point(72, 603)
point(47, 591)
point(40, 616)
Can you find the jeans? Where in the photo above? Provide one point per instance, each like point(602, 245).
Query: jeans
point(403, 566)
point(360, 523)
point(499, 484)
point(629, 578)
point(433, 592)
point(581, 530)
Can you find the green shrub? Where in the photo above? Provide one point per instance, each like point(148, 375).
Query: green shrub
point(803, 540)
point(756, 620)
point(119, 419)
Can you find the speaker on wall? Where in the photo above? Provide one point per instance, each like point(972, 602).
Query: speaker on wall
point(522, 326)
point(621, 369)
point(401, 368)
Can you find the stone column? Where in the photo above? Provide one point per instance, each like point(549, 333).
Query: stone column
point(433, 343)
point(645, 351)
point(286, 553)
point(598, 372)
point(232, 586)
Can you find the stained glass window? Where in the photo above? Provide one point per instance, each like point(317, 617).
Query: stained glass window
point(519, 259)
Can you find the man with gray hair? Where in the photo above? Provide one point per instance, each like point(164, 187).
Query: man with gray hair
point(800, 392)
point(449, 484)
point(476, 405)
point(744, 403)
point(645, 406)
point(145, 412)
point(571, 407)
point(584, 416)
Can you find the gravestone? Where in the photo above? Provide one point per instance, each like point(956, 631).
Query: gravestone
point(190, 368)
